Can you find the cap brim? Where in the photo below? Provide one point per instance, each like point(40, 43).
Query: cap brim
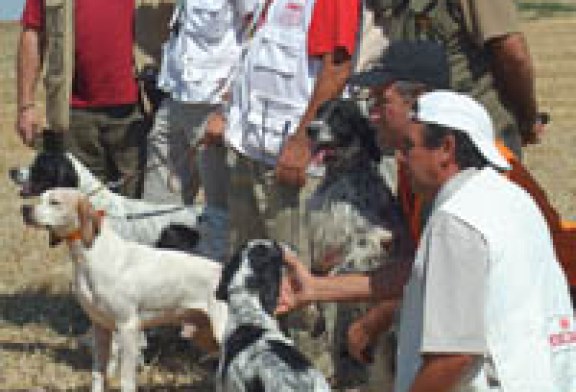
point(371, 78)
point(492, 155)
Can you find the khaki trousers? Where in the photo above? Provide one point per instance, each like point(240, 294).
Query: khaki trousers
point(176, 165)
point(110, 142)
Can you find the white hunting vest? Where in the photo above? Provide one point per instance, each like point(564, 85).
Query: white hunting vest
point(531, 336)
point(275, 84)
point(204, 48)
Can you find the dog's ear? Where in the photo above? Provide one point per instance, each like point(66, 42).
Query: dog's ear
point(228, 273)
point(51, 170)
point(178, 237)
point(89, 222)
point(266, 262)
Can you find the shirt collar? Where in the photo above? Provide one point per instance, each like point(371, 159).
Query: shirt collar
point(453, 185)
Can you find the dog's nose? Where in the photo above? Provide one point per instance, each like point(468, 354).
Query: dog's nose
point(16, 175)
point(26, 191)
point(27, 214)
point(314, 128)
point(320, 132)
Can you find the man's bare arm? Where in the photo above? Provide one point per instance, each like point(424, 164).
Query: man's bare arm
point(335, 71)
point(295, 156)
point(29, 62)
point(513, 72)
point(363, 333)
point(441, 372)
point(300, 287)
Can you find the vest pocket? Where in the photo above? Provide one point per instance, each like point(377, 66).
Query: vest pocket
point(208, 19)
point(277, 55)
point(271, 122)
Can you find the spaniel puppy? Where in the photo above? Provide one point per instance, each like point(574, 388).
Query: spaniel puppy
point(255, 354)
point(125, 287)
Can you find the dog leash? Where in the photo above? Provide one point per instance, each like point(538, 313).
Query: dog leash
point(131, 176)
point(247, 31)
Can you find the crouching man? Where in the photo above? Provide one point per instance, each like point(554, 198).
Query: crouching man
point(485, 304)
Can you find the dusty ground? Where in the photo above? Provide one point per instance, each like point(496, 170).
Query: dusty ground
point(39, 320)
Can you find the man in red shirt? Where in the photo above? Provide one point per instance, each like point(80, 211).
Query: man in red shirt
point(105, 121)
point(332, 37)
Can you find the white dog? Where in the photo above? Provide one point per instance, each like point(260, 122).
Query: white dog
point(135, 220)
point(125, 286)
point(255, 354)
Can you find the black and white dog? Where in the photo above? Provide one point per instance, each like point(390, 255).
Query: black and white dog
point(135, 220)
point(256, 356)
point(353, 212)
point(356, 221)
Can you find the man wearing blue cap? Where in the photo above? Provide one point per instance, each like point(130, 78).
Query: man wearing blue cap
point(487, 55)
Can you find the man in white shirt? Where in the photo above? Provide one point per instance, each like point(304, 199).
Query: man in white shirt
point(199, 60)
point(513, 329)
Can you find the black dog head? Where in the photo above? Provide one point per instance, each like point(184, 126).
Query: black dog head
point(49, 170)
point(344, 133)
point(254, 270)
point(178, 237)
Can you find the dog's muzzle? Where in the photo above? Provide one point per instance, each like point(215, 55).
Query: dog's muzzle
point(21, 177)
point(323, 143)
point(27, 214)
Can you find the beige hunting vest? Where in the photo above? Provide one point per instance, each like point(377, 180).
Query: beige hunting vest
point(442, 21)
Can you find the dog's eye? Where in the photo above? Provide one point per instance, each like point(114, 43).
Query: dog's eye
point(54, 202)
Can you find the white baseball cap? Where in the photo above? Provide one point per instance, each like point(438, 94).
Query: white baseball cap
point(463, 113)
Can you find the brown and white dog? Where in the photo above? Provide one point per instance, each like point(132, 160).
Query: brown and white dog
point(126, 287)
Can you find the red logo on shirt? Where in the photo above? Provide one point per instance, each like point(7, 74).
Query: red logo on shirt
point(561, 339)
point(294, 6)
point(291, 15)
point(565, 323)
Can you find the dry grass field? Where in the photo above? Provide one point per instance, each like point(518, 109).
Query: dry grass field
point(39, 319)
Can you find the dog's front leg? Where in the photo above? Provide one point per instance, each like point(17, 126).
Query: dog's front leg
point(128, 334)
point(100, 357)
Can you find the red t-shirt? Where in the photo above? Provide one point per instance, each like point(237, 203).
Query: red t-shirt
point(334, 25)
point(103, 62)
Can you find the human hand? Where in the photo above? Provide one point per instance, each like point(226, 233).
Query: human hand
point(293, 161)
point(27, 125)
point(215, 126)
point(361, 340)
point(296, 287)
point(532, 134)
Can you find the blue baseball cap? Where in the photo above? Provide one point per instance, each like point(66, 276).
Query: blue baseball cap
point(419, 61)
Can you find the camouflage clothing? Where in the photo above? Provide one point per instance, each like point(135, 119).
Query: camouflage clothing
point(450, 22)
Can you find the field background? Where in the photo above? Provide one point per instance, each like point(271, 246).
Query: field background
point(39, 319)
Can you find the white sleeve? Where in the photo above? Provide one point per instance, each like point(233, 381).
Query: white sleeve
point(455, 289)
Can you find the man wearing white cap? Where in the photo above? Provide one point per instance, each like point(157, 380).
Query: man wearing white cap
point(486, 305)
